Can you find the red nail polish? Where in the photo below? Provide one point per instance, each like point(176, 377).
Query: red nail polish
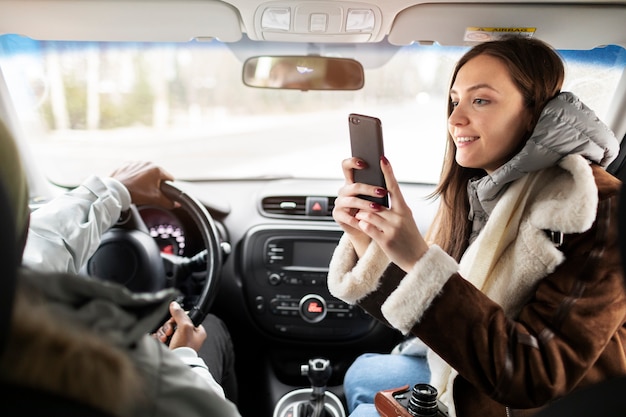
point(359, 163)
point(380, 191)
point(384, 159)
point(375, 206)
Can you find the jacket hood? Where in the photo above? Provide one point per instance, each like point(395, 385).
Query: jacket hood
point(566, 126)
point(117, 314)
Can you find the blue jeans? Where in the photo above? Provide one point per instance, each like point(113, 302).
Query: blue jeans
point(373, 372)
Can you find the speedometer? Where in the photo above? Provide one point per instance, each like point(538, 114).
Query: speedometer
point(170, 238)
point(165, 228)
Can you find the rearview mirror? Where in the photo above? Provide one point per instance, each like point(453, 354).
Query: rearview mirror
point(303, 73)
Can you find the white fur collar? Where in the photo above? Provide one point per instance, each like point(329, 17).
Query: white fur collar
point(569, 203)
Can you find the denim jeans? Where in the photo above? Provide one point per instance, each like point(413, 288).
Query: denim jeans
point(373, 372)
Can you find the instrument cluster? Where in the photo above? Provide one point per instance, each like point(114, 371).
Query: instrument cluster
point(166, 229)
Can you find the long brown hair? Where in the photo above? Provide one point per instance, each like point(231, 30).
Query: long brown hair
point(538, 72)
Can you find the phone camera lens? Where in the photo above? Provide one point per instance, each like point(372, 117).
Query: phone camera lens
point(355, 120)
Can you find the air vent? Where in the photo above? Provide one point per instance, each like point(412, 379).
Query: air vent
point(320, 207)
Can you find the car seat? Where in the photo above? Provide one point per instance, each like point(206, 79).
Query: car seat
point(618, 166)
point(22, 400)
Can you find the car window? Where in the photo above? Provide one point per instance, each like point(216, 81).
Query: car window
point(87, 107)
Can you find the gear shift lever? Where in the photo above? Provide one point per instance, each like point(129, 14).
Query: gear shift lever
point(319, 371)
point(315, 401)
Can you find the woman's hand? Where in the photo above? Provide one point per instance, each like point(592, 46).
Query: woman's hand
point(347, 204)
point(394, 228)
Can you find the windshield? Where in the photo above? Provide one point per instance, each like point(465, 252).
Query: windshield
point(89, 107)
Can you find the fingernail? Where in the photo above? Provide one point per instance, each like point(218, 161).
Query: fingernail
point(380, 191)
point(375, 206)
point(384, 159)
point(360, 163)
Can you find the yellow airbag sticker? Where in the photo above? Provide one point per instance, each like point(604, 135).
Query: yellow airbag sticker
point(483, 34)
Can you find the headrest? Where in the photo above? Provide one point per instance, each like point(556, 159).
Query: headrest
point(9, 258)
point(15, 184)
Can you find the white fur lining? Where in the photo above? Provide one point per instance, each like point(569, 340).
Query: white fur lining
point(406, 305)
point(569, 203)
point(442, 375)
point(350, 282)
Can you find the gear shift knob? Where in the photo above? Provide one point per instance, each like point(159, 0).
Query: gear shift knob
point(315, 401)
point(319, 371)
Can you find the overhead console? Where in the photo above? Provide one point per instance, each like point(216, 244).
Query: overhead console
point(284, 281)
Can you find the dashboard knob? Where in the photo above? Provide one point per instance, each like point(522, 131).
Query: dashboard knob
point(274, 279)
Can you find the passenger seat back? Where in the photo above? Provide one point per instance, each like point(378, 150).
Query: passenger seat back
point(618, 166)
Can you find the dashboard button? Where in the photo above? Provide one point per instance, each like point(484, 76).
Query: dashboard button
point(312, 308)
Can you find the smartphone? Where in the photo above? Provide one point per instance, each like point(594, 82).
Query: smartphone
point(366, 141)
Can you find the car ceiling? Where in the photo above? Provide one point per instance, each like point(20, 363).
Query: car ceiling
point(571, 25)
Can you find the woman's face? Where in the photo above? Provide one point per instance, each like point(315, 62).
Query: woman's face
point(489, 119)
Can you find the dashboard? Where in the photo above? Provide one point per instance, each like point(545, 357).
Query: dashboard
point(273, 282)
point(272, 292)
point(284, 268)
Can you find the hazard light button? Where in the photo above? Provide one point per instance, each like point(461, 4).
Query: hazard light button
point(312, 308)
point(317, 206)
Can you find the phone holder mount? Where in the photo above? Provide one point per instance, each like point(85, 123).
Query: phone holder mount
point(315, 401)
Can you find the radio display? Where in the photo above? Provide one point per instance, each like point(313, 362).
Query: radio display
point(312, 253)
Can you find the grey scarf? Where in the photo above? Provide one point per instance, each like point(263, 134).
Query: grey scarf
point(566, 126)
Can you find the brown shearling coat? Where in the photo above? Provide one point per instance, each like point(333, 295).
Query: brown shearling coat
point(571, 332)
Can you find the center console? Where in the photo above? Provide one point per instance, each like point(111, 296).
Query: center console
point(285, 287)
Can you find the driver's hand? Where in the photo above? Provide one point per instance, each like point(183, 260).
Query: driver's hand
point(180, 331)
point(143, 181)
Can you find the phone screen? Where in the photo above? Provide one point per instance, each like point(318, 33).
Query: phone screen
point(366, 141)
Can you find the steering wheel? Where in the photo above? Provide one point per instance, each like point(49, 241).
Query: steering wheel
point(128, 255)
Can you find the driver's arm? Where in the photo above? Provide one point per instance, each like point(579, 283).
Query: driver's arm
point(66, 231)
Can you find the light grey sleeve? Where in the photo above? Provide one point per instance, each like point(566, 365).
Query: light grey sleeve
point(66, 231)
point(173, 388)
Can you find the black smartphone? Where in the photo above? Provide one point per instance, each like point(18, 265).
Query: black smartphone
point(366, 141)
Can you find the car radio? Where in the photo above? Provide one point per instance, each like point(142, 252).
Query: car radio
point(285, 270)
point(300, 251)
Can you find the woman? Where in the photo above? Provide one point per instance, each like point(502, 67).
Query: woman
point(517, 290)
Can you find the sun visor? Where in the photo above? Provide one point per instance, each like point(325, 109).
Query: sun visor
point(564, 26)
point(95, 20)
